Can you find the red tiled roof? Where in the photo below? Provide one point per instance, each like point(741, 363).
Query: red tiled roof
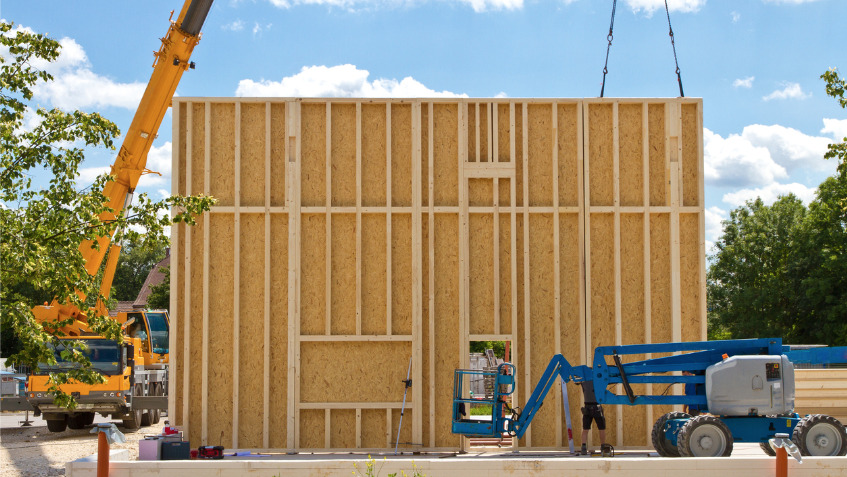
point(155, 277)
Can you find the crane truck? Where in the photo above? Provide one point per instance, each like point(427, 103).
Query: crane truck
point(136, 369)
point(745, 386)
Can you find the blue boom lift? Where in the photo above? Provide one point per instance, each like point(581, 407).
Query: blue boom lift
point(746, 386)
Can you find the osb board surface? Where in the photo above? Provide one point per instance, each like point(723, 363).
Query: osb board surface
point(512, 194)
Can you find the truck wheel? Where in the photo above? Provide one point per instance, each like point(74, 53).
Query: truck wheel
point(133, 422)
point(704, 436)
point(820, 435)
point(661, 443)
point(766, 447)
point(80, 420)
point(57, 425)
point(155, 414)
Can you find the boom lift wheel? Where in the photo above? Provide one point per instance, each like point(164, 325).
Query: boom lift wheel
point(820, 435)
point(661, 443)
point(766, 447)
point(704, 436)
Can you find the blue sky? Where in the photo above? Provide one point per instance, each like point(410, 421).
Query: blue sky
point(755, 63)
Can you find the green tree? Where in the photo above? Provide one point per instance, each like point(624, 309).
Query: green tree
point(160, 295)
point(42, 227)
point(133, 267)
point(825, 264)
point(782, 270)
point(752, 291)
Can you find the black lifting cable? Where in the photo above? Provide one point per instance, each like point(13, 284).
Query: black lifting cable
point(673, 45)
point(609, 37)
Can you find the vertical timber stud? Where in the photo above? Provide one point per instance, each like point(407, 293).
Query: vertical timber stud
point(359, 218)
point(175, 258)
point(513, 218)
point(417, 277)
point(292, 200)
point(236, 306)
point(207, 175)
point(527, 317)
point(673, 154)
point(389, 309)
point(266, 363)
point(701, 211)
point(186, 327)
point(557, 289)
point(462, 184)
point(328, 223)
point(431, 250)
point(648, 327)
point(491, 109)
point(583, 211)
point(586, 235)
point(616, 185)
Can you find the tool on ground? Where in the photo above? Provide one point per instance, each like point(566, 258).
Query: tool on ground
point(606, 450)
point(210, 452)
point(408, 383)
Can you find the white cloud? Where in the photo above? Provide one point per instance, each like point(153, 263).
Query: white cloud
point(88, 174)
point(477, 5)
point(736, 17)
point(158, 160)
point(761, 155)
point(836, 127)
point(75, 86)
point(338, 81)
point(789, 147)
point(736, 162)
point(770, 193)
point(650, 6)
point(236, 25)
point(714, 228)
point(791, 91)
point(744, 82)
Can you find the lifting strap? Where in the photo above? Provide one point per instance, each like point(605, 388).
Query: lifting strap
point(610, 36)
point(673, 45)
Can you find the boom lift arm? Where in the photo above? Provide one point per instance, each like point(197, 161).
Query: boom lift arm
point(608, 369)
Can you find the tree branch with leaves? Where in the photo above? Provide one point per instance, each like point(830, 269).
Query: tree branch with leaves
point(45, 215)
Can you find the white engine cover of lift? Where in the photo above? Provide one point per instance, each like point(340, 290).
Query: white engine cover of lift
point(757, 385)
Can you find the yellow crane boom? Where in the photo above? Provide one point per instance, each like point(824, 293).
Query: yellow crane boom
point(171, 60)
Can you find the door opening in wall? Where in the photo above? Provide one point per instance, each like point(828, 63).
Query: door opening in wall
point(486, 356)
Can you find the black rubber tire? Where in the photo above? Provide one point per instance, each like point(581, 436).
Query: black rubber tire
point(767, 449)
point(133, 422)
point(155, 414)
point(57, 425)
point(660, 442)
point(79, 421)
point(692, 439)
point(820, 435)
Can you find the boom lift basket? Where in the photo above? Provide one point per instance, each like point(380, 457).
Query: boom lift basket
point(494, 403)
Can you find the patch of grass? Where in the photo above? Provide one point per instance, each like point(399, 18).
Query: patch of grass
point(481, 410)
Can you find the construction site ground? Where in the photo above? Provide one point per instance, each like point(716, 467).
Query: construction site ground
point(34, 451)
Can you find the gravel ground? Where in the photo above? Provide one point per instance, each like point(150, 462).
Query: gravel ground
point(35, 451)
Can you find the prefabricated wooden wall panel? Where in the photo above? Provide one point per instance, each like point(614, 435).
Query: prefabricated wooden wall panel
point(352, 235)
